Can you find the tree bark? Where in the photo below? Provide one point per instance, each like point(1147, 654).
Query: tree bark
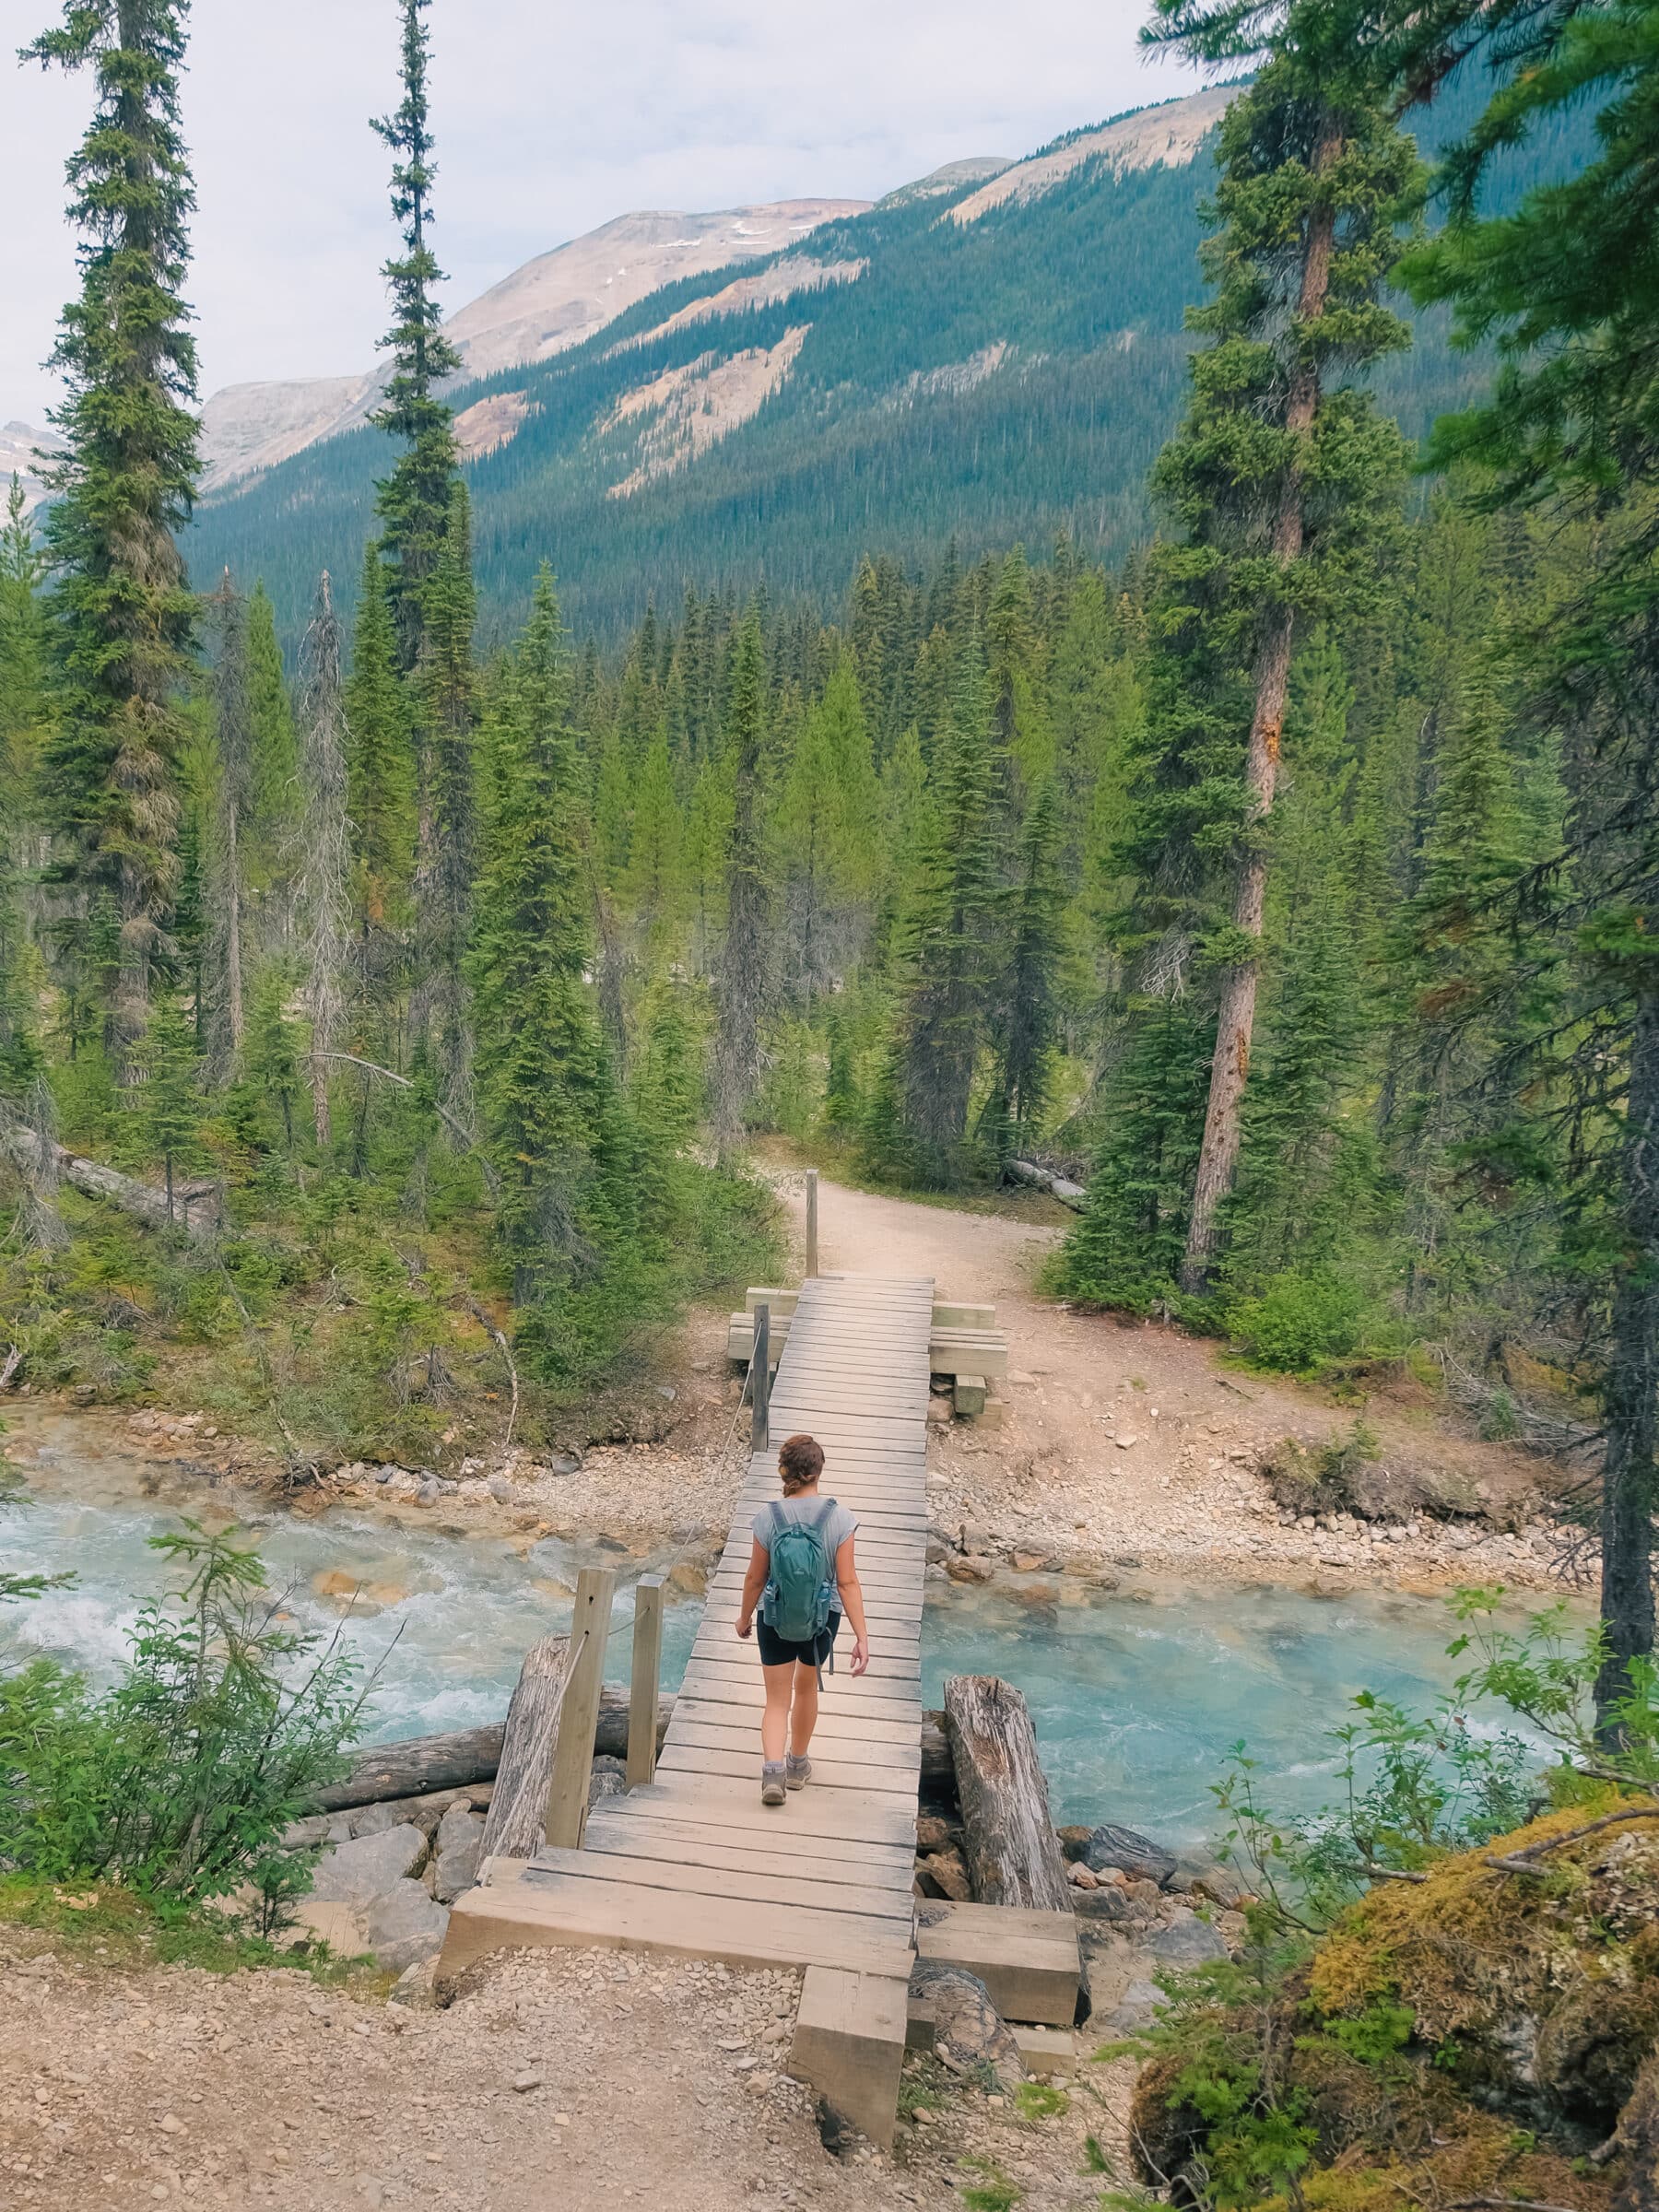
point(1632, 1391)
point(92, 1178)
point(418, 1764)
point(1007, 1837)
point(518, 1811)
point(1229, 1069)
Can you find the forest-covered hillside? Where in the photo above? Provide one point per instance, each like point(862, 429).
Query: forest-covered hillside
point(994, 381)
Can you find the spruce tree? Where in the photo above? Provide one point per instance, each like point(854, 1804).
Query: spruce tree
point(544, 1090)
point(443, 874)
point(1568, 285)
point(224, 877)
point(274, 767)
point(24, 644)
point(167, 1103)
point(378, 762)
point(821, 834)
point(1282, 476)
point(654, 879)
point(321, 867)
point(414, 503)
point(947, 948)
point(123, 613)
point(743, 971)
point(1026, 1021)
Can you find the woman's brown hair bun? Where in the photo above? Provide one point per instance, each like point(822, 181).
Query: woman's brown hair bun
point(800, 1462)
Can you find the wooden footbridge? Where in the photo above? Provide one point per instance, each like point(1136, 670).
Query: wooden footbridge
point(690, 1861)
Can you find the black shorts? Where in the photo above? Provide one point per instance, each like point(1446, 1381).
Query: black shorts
point(778, 1651)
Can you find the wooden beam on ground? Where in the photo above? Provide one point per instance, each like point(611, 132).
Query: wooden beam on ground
point(849, 2043)
point(1029, 1961)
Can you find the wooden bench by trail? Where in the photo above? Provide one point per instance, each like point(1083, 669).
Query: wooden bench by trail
point(692, 1862)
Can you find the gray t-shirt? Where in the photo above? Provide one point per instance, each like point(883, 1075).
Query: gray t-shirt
point(838, 1525)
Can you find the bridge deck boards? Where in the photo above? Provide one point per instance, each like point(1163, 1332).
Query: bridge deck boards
point(693, 1861)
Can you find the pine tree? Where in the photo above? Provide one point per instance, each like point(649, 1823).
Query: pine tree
point(414, 503)
point(443, 873)
point(23, 664)
point(1026, 1023)
point(224, 877)
point(123, 612)
point(544, 1086)
point(322, 866)
point(378, 763)
point(821, 832)
point(1283, 475)
point(275, 769)
point(655, 860)
point(1126, 1250)
point(167, 1103)
point(947, 949)
point(743, 972)
point(272, 1060)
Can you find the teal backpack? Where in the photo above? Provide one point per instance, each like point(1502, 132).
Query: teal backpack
point(801, 1585)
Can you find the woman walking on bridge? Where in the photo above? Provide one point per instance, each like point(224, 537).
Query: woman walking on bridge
point(802, 1576)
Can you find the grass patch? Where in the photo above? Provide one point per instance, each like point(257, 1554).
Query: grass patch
point(106, 1925)
point(1040, 2101)
point(991, 2191)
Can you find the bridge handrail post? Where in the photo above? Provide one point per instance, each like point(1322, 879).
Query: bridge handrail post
point(579, 1716)
point(644, 1681)
point(760, 1380)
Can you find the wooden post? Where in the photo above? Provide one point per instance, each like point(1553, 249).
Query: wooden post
point(518, 1807)
point(760, 1380)
point(812, 1175)
point(1007, 1837)
point(647, 1672)
point(579, 1720)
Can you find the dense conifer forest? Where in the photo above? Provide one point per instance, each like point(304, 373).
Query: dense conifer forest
point(1289, 871)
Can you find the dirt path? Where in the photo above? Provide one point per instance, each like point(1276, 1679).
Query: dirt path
point(583, 2081)
point(1131, 1441)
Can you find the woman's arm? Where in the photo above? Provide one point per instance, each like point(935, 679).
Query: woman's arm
point(754, 1582)
point(851, 1597)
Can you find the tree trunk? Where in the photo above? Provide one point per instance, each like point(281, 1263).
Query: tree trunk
point(1007, 1837)
point(517, 1812)
point(233, 976)
point(1632, 1391)
point(1229, 1069)
point(419, 1764)
point(90, 1176)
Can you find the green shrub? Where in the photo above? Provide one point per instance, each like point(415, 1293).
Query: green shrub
point(1298, 1322)
point(180, 1781)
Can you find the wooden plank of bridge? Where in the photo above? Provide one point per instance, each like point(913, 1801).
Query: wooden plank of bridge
point(693, 1861)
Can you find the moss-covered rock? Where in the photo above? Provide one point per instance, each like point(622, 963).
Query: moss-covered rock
point(1477, 2034)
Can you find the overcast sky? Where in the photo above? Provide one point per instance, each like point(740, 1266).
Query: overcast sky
point(550, 120)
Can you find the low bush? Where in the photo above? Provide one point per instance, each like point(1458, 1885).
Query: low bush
point(179, 1780)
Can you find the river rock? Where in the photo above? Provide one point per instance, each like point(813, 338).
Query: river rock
point(365, 1867)
point(944, 1873)
point(970, 1567)
point(934, 1832)
point(406, 1926)
point(970, 2034)
point(460, 1836)
point(1187, 1941)
point(1135, 1855)
point(608, 1778)
point(1125, 1904)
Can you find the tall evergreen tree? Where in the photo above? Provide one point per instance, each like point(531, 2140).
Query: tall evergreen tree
point(947, 950)
point(544, 1086)
point(377, 722)
point(744, 971)
point(1026, 1023)
point(124, 615)
point(275, 766)
point(1569, 285)
point(414, 501)
point(322, 866)
point(1283, 475)
point(225, 875)
point(444, 867)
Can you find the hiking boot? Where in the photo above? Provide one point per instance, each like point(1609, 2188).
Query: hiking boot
point(771, 1783)
point(797, 1771)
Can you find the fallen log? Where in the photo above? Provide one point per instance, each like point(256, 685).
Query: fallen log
point(1007, 1837)
point(195, 1204)
point(418, 1764)
point(518, 1811)
point(1044, 1179)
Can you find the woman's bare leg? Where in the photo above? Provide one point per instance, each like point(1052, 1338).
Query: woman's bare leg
point(774, 1721)
point(803, 1713)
